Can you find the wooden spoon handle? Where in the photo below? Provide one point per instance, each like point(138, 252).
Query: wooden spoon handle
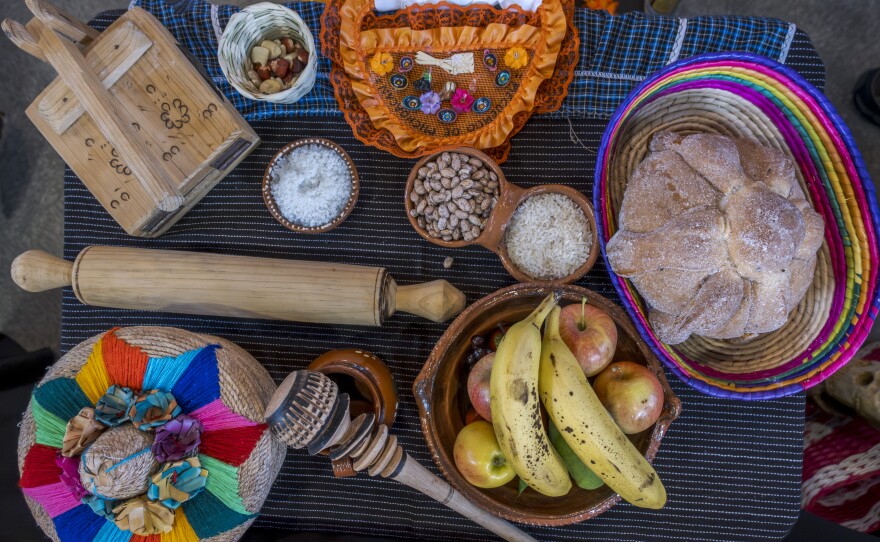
point(414, 475)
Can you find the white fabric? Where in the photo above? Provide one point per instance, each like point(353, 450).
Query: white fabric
point(393, 5)
point(456, 64)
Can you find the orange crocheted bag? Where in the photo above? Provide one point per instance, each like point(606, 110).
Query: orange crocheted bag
point(439, 76)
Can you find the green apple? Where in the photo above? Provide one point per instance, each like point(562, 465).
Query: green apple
point(479, 458)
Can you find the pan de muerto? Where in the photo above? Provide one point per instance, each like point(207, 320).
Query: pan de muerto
point(717, 236)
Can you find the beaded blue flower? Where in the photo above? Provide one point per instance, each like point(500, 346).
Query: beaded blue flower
point(113, 407)
point(481, 105)
point(413, 103)
point(447, 115)
point(405, 64)
point(399, 81)
point(152, 409)
point(502, 78)
point(490, 60)
point(178, 482)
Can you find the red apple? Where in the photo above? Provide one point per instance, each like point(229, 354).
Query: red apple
point(632, 395)
point(478, 456)
point(471, 416)
point(478, 386)
point(590, 334)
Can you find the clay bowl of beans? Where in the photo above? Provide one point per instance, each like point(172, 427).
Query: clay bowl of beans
point(544, 234)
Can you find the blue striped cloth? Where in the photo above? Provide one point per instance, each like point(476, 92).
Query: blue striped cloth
point(616, 52)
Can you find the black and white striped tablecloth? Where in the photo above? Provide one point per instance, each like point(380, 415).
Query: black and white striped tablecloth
point(732, 469)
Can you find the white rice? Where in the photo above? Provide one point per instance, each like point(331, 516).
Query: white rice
point(310, 185)
point(548, 237)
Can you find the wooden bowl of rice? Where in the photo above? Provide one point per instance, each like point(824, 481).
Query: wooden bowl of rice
point(517, 245)
point(330, 211)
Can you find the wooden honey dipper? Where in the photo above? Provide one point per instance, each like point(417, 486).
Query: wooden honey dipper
point(307, 411)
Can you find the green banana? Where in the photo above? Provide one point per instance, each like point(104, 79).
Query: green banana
point(516, 407)
point(588, 428)
point(583, 476)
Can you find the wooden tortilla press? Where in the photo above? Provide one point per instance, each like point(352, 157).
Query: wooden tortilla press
point(238, 286)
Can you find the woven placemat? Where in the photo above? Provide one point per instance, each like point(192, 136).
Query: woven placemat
point(732, 470)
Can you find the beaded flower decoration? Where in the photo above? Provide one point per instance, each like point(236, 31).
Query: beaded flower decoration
point(133, 445)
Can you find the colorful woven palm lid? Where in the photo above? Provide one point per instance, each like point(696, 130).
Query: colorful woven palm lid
point(441, 76)
point(142, 433)
point(740, 95)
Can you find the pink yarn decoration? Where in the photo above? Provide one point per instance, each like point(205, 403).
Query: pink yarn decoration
point(69, 476)
point(216, 416)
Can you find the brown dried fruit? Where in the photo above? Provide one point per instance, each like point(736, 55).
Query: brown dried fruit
point(288, 45)
point(303, 56)
point(297, 67)
point(280, 66)
point(264, 72)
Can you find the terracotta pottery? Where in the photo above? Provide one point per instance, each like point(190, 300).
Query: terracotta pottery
point(511, 196)
point(349, 205)
point(373, 380)
point(440, 390)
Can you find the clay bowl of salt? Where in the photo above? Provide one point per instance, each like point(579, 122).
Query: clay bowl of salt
point(544, 234)
point(311, 185)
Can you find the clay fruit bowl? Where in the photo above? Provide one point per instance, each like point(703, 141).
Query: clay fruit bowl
point(440, 392)
point(510, 197)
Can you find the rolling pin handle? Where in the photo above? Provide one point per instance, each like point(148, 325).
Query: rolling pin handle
point(38, 271)
point(437, 301)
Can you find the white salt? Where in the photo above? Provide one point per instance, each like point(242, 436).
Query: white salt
point(548, 237)
point(310, 185)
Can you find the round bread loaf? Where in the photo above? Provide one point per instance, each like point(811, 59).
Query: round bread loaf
point(717, 236)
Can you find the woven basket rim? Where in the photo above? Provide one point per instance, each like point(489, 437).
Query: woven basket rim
point(254, 14)
point(843, 345)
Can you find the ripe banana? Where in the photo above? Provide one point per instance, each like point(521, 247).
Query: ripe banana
point(516, 407)
point(588, 428)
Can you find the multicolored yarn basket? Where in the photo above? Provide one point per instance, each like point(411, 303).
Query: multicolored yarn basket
point(212, 380)
point(745, 95)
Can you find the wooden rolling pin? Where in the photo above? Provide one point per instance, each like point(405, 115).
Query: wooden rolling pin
point(242, 286)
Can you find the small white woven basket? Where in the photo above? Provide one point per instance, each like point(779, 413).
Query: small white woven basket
point(248, 28)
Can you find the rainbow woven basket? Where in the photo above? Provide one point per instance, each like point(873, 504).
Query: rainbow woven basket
point(744, 95)
point(219, 477)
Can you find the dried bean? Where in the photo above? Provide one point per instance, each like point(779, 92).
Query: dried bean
point(452, 196)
